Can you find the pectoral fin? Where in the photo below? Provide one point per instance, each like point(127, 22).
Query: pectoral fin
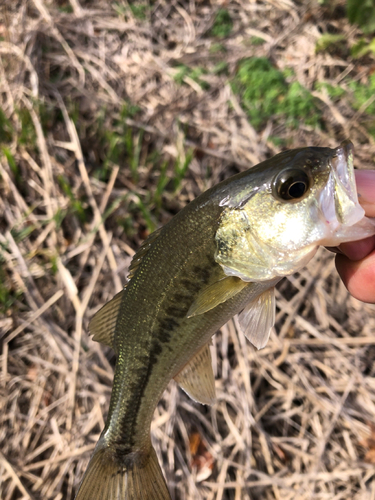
point(197, 378)
point(258, 317)
point(216, 294)
point(103, 324)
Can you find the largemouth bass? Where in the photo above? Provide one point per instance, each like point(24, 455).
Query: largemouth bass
point(221, 255)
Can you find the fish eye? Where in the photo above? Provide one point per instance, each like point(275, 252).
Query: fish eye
point(291, 184)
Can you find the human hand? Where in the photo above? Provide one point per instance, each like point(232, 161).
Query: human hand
point(356, 262)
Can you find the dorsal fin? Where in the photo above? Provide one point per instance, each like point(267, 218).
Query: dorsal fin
point(143, 249)
point(197, 378)
point(216, 294)
point(103, 324)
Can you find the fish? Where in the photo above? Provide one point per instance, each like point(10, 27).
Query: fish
point(219, 256)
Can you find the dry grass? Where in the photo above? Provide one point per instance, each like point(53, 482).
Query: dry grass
point(293, 421)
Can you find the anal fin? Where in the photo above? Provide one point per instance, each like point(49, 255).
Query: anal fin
point(258, 317)
point(197, 378)
point(103, 324)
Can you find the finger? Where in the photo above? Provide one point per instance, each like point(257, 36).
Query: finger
point(358, 277)
point(357, 250)
point(365, 181)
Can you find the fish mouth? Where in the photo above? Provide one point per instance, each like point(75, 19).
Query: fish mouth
point(339, 199)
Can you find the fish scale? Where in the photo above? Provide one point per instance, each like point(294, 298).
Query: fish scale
point(221, 255)
point(154, 329)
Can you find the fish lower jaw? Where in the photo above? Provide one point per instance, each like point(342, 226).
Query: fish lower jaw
point(335, 235)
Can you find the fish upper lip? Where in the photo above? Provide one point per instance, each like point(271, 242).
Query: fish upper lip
point(346, 147)
point(339, 200)
point(342, 165)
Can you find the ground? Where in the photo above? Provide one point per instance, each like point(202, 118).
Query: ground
point(113, 116)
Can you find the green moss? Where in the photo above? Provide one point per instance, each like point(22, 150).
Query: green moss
point(27, 136)
point(256, 40)
point(265, 94)
point(54, 265)
point(161, 184)
point(362, 48)
point(298, 105)
point(334, 91)
point(22, 232)
point(7, 296)
point(217, 47)
point(6, 129)
point(330, 42)
point(59, 217)
point(277, 141)
point(12, 164)
point(76, 205)
point(193, 73)
point(362, 12)
point(223, 24)
point(221, 68)
point(362, 93)
point(180, 169)
point(67, 9)
point(139, 10)
point(113, 142)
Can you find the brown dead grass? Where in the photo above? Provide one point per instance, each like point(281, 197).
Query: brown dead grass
point(293, 421)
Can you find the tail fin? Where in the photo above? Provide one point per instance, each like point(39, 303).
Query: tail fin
point(107, 479)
